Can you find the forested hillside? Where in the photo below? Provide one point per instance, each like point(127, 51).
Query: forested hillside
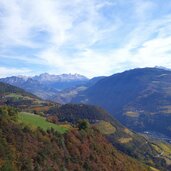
point(139, 98)
point(22, 148)
point(38, 117)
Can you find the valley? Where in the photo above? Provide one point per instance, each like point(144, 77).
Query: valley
point(157, 136)
point(138, 133)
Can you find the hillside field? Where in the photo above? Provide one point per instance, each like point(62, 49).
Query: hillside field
point(39, 121)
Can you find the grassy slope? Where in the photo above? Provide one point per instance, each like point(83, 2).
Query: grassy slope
point(38, 121)
point(105, 128)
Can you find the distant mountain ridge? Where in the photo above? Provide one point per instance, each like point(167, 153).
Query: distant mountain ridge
point(45, 85)
point(60, 78)
point(47, 77)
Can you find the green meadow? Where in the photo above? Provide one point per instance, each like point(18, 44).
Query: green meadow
point(35, 121)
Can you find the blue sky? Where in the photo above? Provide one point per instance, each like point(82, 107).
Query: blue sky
point(89, 37)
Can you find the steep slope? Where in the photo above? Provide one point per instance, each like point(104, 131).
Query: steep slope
point(122, 138)
point(28, 150)
point(139, 98)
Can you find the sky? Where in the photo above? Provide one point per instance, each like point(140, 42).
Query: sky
point(88, 37)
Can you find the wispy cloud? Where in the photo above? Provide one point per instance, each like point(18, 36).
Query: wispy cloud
point(4, 71)
point(88, 37)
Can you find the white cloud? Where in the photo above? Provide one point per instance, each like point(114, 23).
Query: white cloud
point(61, 20)
point(88, 37)
point(5, 71)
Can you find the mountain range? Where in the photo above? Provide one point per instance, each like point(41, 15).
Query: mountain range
point(139, 98)
point(46, 85)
